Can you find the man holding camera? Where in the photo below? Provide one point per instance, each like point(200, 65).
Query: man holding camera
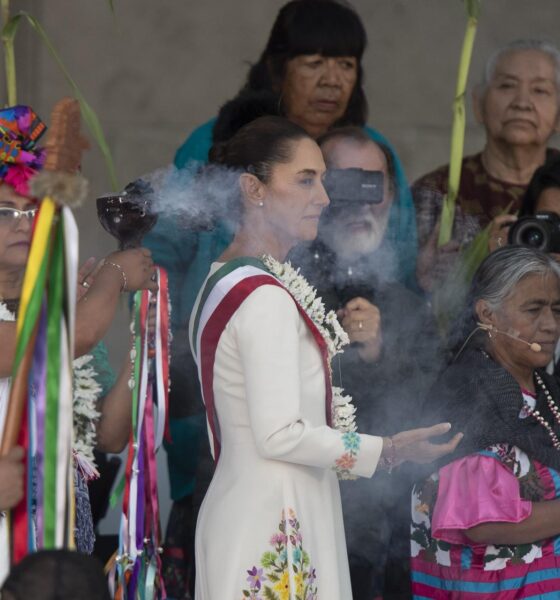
point(393, 354)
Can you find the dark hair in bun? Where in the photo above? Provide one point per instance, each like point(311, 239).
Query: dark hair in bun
point(217, 154)
point(255, 149)
point(257, 146)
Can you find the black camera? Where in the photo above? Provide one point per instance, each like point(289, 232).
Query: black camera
point(541, 231)
point(349, 189)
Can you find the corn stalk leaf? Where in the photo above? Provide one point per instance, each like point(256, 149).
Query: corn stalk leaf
point(90, 118)
point(473, 8)
point(450, 298)
point(8, 36)
point(111, 6)
point(458, 127)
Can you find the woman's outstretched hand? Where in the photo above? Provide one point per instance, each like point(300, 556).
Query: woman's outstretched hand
point(415, 445)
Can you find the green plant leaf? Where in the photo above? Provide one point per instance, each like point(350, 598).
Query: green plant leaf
point(88, 114)
point(458, 126)
point(269, 594)
point(8, 36)
point(473, 8)
point(449, 299)
point(10, 28)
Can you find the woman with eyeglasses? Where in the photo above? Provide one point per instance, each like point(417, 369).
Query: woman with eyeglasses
point(99, 293)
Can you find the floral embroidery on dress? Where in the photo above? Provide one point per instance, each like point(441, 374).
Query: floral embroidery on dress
point(274, 579)
point(344, 464)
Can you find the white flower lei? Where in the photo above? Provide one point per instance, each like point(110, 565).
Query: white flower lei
point(343, 411)
point(86, 392)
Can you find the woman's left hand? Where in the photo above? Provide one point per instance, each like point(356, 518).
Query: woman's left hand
point(362, 322)
point(499, 230)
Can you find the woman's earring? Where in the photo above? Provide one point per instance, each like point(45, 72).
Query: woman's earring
point(261, 203)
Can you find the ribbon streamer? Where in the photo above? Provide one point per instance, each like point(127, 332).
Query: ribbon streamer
point(137, 566)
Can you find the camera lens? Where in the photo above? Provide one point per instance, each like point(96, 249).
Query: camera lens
point(533, 237)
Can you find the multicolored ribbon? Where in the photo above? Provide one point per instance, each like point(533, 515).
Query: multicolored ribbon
point(40, 406)
point(138, 564)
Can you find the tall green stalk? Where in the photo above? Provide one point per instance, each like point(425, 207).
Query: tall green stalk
point(458, 128)
point(9, 54)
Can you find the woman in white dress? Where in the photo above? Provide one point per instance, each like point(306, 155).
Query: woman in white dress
point(271, 524)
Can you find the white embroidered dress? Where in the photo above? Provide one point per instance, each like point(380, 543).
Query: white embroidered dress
point(271, 523)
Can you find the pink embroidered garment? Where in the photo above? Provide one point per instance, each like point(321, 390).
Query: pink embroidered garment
point(495, 485)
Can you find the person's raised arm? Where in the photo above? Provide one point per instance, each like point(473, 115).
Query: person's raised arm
point(114, 425)
point(124, 271)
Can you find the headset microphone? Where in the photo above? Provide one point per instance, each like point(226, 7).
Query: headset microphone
point(535, 347)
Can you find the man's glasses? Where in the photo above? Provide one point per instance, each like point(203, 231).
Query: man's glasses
point(12, 216)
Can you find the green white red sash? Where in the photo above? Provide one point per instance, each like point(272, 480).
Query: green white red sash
point(222, 295)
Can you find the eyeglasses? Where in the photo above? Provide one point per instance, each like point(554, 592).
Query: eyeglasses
point(12, 216)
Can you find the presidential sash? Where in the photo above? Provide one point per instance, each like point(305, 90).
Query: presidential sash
point(222, 294)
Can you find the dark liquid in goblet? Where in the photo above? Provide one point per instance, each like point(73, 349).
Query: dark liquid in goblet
point(126, 218)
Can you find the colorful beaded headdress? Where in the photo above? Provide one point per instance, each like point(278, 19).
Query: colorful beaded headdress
point(20, 157)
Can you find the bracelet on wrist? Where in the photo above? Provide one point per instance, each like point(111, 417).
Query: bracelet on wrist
point(120, 270)
point(389, 458)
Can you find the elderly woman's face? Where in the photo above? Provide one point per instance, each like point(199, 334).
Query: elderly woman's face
point(521, 104)
point(15, 228)
point(316, 90)
point(530, 313)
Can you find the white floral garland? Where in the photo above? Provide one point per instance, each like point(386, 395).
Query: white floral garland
point(343, 411)
point(86, 393)
point(5, 314)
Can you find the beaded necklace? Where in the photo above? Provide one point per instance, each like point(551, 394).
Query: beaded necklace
point(537, 415)
point(553, 408)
